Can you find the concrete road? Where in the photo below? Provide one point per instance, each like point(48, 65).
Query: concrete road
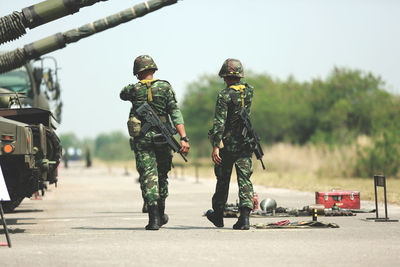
point(93, 218)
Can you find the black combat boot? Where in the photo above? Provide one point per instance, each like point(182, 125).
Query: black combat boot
point(216, 217)
point(243, 222)
point(154, 218)
point(163, 217)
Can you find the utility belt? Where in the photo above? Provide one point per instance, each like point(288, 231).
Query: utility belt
point(135, 125)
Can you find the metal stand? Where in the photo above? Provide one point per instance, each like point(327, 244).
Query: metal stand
point(380, 180)
point(5, 226)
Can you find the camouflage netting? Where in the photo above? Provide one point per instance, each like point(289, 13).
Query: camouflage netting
point(12, 60)
point(11, 27)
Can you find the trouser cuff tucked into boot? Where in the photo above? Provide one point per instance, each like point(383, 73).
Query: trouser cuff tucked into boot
point(154, 218)
point(243, 222)
point(216, 217)
point(163, 217)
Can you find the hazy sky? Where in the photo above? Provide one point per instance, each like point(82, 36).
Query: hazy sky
point(304, 38)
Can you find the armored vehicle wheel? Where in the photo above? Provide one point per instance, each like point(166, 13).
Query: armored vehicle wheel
point(54, 151)
point(20, 181)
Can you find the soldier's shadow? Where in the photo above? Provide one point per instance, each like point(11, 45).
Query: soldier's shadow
point(110, 228)
point(19, 221)
point(26, 210)
point(188, 227)
point(178, 227)
point(12, 231)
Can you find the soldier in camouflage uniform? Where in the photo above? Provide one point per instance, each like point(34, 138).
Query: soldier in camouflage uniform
point(153, 162)
point(229, 147)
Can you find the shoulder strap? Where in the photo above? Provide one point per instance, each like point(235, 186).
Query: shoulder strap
point(239, 88)
point(148, 83)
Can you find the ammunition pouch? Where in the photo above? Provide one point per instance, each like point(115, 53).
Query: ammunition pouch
point(159, 139)
point(134, 126)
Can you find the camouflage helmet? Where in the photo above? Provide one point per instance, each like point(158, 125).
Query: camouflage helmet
point(232, 67)
point(142, 63)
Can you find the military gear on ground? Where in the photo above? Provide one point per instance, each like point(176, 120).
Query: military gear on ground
point(216, 217)
point(143, 63)
point(232, 67)
point(163, 217)
point(134, 126)
point(154, 218)
point(286, 224)
point(20, 56)
point(268, 204)
point(243, 222)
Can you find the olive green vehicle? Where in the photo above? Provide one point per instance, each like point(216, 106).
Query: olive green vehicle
point(30, 103)
point(30, 151)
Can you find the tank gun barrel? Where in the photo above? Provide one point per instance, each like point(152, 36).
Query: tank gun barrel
point(13, 26)
point(18, 57)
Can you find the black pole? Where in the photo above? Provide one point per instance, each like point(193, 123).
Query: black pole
point(384, 188)
point(376, 196)
point(5, 226)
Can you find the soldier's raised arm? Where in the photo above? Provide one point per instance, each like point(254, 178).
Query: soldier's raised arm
point(126, 93)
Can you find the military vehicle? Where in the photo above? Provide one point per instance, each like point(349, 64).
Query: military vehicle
point(30, 151)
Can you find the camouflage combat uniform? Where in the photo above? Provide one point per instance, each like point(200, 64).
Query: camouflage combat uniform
point(153, 162)
point(227, 128)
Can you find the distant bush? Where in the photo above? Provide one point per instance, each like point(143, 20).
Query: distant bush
point(112, 146)
point(382, 157)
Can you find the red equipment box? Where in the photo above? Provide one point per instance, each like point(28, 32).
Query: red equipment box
point(344, 199)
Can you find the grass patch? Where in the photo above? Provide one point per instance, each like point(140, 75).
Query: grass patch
point(303, 168)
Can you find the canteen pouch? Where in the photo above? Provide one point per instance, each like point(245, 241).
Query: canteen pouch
point(134, 126)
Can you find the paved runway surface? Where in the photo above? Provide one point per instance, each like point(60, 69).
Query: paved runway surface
point(93, 218)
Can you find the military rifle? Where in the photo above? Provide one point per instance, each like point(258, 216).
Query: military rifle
point(253, 138)
point(166, 135)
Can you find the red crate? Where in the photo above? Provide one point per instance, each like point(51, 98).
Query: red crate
point(344, 199)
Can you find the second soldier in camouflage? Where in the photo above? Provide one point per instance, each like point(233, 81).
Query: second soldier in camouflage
point(229, 146)
point(153, 162)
